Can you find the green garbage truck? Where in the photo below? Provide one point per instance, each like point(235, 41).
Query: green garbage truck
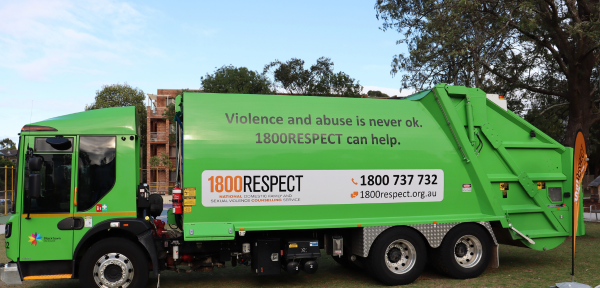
point(275, 182)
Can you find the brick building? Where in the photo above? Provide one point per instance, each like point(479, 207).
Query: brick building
point(159, 132)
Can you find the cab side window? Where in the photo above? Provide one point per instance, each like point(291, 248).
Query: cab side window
point(97, 169)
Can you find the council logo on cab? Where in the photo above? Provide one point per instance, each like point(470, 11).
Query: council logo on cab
point(33, 239)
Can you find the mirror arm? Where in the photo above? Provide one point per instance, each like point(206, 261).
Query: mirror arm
point(28, 156)
point(28, 209)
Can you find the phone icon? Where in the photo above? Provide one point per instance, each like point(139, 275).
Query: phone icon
point(354, 182)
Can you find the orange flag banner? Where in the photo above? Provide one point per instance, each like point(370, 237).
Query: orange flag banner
point(579, 167)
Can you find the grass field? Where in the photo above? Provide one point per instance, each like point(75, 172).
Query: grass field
point(519, 267)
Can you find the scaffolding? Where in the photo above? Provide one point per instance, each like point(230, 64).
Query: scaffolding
point(8, 183)
point(157, 186)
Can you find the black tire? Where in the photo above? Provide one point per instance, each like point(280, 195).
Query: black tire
point(122, 252)
point(406, 253)
point(463, 259)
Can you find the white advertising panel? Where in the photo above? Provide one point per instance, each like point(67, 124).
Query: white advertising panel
point(221, 188)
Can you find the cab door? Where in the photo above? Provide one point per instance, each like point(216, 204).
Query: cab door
point(47, 223)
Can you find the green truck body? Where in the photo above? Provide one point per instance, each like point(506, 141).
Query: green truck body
point(260, 167)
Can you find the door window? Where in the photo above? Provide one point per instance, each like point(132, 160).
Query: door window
point(97, 169)
point(55, 192)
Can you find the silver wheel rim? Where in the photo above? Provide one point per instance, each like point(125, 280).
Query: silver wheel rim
point(468, 251)
point(107, 269)
point(400, 256)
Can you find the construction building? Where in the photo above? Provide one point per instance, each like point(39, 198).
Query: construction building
point(160, 140)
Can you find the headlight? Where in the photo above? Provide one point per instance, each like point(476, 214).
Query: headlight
point(7, 230)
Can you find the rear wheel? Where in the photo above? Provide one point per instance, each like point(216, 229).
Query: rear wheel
point(465, 252)
point(397, 256)
point(114, 262)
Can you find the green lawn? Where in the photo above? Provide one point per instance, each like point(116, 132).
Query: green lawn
point(519, 267)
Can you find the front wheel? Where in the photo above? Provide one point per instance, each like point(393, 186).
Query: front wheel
point(397, 256)
point(114, 262)
point(465, 251)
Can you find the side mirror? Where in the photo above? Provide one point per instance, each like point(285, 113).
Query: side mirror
point(35, 163)
point(35, 184)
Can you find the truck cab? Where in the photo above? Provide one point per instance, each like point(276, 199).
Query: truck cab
point(75, 172)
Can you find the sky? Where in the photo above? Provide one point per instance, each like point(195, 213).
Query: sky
point(55, 55)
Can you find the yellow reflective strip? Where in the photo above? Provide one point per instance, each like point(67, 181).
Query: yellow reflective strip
point(81, 214)
point(57, 276)
point(46, 215)
point(107, 214)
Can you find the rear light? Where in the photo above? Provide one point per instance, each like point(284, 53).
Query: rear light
point(37, 128)
point(8, 230)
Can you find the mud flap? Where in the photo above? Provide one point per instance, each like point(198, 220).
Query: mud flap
point(147, 240)
point(495, 257)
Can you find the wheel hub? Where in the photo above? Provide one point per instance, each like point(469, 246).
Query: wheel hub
point(113, 273)
point(113, 270)
point(394, 255)
point(468, 251)
point(461, 250)
point(400, 257)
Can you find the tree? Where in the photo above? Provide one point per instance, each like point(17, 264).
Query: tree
point(230, 79)
point(122, 95)
point(527, 48)
point(7, 144)
point(341, 84)
point(169, 114)
point(161, 160)
point(119, 95)
point(318, 80)
point(376, 93)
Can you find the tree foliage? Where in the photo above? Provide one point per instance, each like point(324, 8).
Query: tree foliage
point(544, 51)
point(7, 144)
point(161, 160)
point(318, 80)
point(230, 79)
point(122, 95)
point(169, 113)
point(119, 95)
point(376, 93)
